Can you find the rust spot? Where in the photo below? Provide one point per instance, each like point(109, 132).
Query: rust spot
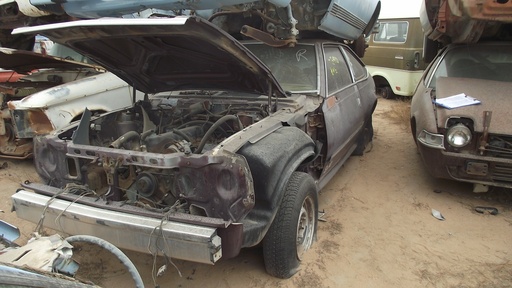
point(11, 106)
point(331, 101)
point(39, 122)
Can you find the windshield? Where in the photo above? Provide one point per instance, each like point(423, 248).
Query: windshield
point(295, 68)
point(488, 62)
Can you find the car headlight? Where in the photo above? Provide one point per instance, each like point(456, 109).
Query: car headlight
point(458, 135)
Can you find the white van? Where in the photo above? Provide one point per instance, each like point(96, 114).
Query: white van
point(394, 56)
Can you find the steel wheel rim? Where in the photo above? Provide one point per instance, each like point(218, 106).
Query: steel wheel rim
point(305, 227)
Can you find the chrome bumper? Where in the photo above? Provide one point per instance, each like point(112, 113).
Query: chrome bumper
point(183, 241)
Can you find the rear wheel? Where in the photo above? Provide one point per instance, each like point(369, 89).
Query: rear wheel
point(293, 230)
point(386, 92)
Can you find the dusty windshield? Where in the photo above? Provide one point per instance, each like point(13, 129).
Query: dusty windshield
point(294, 67)
point(488, 62)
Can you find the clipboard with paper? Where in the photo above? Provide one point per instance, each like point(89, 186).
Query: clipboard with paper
point(456, 101)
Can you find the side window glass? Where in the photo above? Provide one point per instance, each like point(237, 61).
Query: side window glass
point(338, 75)
point(355, 65)
point(392, 32)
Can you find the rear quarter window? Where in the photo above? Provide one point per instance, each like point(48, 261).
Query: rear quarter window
point(356, 66)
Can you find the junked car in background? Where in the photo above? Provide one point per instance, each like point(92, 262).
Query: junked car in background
point(36, 73)
point(19, 13)
point(52, 93)
point(463, 21)
point(470, 143)
point(468, 140)
point(228, 150)
point(275, 22)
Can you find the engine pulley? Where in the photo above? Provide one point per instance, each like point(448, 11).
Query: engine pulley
point(146, 184)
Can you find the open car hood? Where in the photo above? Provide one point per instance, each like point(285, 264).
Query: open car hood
point(165, 54)
point(25, 61)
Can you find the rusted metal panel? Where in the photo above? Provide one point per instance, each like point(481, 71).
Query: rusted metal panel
point(489, 10)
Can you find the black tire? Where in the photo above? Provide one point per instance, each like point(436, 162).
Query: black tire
point(386, 92)
point(365, 138)
point(294, 228)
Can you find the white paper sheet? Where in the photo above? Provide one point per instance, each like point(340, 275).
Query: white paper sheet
point(455, 101)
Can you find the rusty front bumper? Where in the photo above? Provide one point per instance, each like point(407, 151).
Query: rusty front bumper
point(463, 167)
point(129, 231)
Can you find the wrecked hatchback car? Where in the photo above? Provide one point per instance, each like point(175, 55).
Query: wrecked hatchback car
point(275, 22)
point(33, 73)
point(469, 143)
point(50, 93)
point(228, 150)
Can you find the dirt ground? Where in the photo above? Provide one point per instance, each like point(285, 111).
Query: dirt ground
point(378, 229)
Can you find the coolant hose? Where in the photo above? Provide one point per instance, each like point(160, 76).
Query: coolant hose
point(213, 128)
point(115, 251)
point(124, 138)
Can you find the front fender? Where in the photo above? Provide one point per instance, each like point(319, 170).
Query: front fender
point(423, 114)
point(272, 160)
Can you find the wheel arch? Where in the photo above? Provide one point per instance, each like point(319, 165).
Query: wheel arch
point(380, 80)
point(272, 161)
point(413, 128)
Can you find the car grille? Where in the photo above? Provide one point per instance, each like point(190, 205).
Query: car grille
point(499, 146)
point(502, 173)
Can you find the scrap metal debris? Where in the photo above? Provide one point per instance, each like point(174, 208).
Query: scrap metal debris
point(437, 215)
point(486, 210)
point(321, 215)
point(48, 254)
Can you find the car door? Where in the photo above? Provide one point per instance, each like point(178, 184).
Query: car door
point(342, 107)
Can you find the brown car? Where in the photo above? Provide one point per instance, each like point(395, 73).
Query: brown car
point(469, 140)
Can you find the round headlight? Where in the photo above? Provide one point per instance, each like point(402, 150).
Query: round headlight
point(458, 135)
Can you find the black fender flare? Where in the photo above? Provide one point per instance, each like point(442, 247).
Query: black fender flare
point(272, 161)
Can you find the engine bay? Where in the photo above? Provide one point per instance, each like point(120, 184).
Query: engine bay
point(168, 126)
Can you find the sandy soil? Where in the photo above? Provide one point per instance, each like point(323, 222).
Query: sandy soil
point(378, 230)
